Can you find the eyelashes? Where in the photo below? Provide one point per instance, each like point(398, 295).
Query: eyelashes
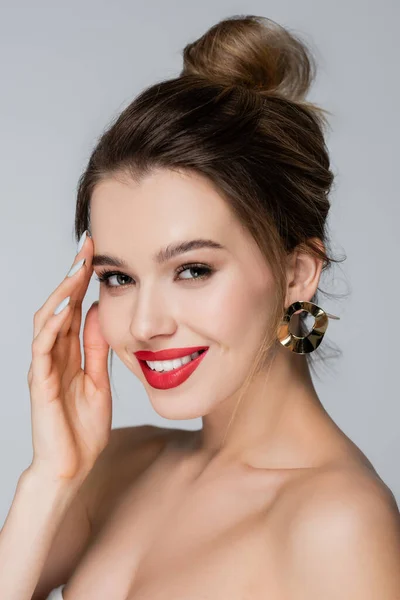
point(205, 270)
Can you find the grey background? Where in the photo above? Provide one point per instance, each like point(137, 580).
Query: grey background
point(68, 68)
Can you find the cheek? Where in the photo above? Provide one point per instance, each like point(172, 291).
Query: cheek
point(111, 323)
point(229, 310)
point(244, 311)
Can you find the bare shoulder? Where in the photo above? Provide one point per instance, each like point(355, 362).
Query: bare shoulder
point(342, 532)
point(127, 439)
point(337, 492)
point(343, 491)
point(129, 452)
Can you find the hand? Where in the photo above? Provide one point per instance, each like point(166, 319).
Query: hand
point(71, 407)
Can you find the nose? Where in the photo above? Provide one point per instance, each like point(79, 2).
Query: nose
point(151, 316)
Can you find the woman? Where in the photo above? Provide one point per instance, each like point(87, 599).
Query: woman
point(207, 199)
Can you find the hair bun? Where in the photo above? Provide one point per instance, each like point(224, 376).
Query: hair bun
point(254, 52)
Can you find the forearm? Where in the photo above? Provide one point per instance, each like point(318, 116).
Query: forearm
point(35, 515)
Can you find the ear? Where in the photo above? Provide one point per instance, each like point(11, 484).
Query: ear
point(303, 274)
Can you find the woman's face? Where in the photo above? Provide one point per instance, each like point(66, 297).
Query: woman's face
point(151, 306)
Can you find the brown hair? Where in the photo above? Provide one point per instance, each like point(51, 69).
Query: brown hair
point(237, 115)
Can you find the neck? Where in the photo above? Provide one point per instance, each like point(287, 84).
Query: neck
point(271, 425)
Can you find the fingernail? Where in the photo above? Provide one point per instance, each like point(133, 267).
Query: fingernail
point(62, 305)
point(76, 267)
point(81, 241)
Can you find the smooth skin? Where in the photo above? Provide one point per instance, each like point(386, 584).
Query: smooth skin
point(288, 507)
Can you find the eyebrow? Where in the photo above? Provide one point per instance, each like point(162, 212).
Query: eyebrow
point(162, 256)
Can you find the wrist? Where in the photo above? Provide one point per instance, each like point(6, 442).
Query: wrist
point(38, 478)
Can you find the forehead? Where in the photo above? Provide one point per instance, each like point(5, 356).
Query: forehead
point(130, 219)
point(166, 204)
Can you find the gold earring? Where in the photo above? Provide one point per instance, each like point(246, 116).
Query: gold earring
point(307, 343)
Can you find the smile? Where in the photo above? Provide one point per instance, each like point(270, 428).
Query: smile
point(170, 365)
point(168, 374)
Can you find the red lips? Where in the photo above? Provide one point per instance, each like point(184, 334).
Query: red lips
point(168, 354)
point(164, 380)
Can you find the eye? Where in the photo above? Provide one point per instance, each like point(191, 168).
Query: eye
point(197, 268)
point(204, 270)
point(105, 276)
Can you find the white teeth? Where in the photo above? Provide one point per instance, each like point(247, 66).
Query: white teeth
point(169, 365)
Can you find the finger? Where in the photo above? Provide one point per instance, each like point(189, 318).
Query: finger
point(43, 344)
point(29, 377)
point(68, 287)
point(95, 350)
point(87, 252)
point(76, 322)
point(79, 283)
